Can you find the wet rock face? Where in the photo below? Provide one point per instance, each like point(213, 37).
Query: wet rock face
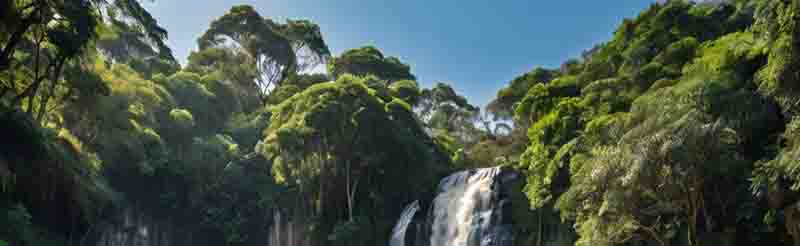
point(472, 208)
point(501, 233)
point(135, 228)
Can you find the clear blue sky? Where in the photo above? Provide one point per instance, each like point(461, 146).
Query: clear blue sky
point(475, 45)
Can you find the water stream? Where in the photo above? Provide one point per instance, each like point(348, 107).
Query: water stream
point(468, 211)
point(399, 231)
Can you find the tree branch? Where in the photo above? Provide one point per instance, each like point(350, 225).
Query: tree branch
point(16, 37)
point(56, 77)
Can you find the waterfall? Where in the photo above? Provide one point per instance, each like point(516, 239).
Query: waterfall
point(468, 210)
point(399, 231)
point(133, 226)
point(286, 231)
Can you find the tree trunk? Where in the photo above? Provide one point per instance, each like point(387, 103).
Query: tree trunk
point(277, 228)
point(351, 191)
point(695, 198)
point(541, 229)
point(792, 223)
point(318, 206)
point(347, 190)
point(32, 97)
point(16, 37)
point(38, 77)
point(4, 90)
point(51, 92)
point(72, 226)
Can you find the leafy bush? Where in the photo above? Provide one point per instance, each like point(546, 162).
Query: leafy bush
point(182, 117)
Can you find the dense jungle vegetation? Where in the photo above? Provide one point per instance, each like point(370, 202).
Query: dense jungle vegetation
point(683, 129)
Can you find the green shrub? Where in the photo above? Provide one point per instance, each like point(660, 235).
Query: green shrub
point(182, 118)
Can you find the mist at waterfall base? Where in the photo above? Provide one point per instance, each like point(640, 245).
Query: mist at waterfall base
point(468, 211)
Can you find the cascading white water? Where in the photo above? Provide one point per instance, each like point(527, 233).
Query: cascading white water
point(468, 211)
point(399, 231)
point(462, 212)
point(286, 232)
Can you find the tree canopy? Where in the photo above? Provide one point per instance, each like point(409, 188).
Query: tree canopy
point(682, 129)
point(368, 60)
point(274, 51)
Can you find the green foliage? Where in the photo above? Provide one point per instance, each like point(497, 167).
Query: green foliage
point(635, 141)
point(407, 90)
point(777, 21)
point(20, 229)
point(540, 99)
point(294, 85)
point(57, 172)
point(489, 153)
point(202, 97)
point(18, 223)
point(783, 168)
point(340, 112)
point(503, 104)
point(182, 117)
point(442, 108)
point(132, 36)
point(369, 60)
point(147, 24)
point(188, 135)
point(608, 96)
point(654, 137)
point(678, 53)
point(447, 142)
point(544, 158)
point(272, 50)
point(232, 66)
point(342, 139)
point(45, 38)
point(627, 179)
point(350, 232)
point(127, 119)
point(308, 42)
point(254, 33)
point(247, 128)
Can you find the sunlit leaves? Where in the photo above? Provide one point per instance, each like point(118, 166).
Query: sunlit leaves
point(662, 113)
point(182, 117)
point(442, 108)
point(369, 60)
point(274, 51)
point(777, 22)
point(503, 105)
point(335, 136)
point(408, 90)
